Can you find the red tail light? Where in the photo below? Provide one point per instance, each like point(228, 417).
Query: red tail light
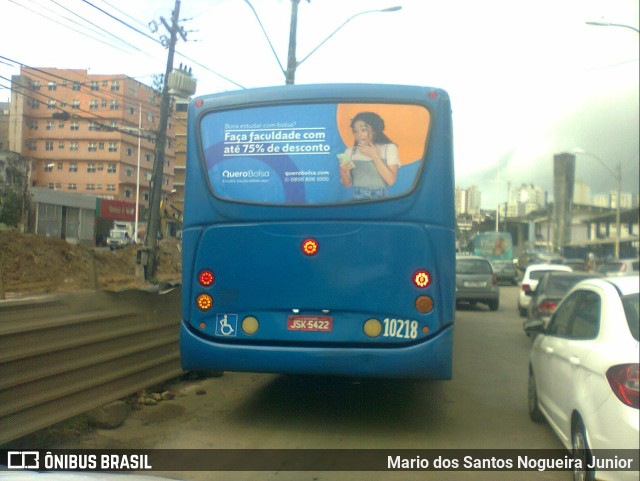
point(547, 307)
point(310, 247)
point(526, 288)
point(625, 383)
point(206, 278)
point(421, 279)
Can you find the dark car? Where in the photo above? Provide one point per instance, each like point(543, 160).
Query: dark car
point(476, 282)
point(505, 271)
point(552, 287)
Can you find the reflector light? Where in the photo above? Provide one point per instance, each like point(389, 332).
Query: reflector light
point(372, 328)
point(424, 304)
point(422, 279)
point(199, 103)
point(204, 302)
point(433, 95)
point(250, 325)
point(206, 278)
point(310, 247)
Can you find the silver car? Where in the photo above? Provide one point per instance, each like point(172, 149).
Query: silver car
point(476, 282)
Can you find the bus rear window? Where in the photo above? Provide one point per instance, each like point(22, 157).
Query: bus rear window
point(312, 154)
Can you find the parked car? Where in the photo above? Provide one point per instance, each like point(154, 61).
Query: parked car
point(552, 287)
point(505, 271)
point(529, 281)
point(619, 268)
point(476, 282)
point(583, 371)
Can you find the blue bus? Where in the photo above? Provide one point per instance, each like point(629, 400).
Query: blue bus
point(319, 232)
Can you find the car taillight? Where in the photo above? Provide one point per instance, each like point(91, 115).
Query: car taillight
point(624, 380)
point(547, 307)
point(526, 288)
point(495, 280)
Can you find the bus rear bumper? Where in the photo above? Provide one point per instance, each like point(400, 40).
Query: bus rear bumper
point(431, 359)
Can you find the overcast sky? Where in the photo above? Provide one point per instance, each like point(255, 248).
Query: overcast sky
point(527, 78)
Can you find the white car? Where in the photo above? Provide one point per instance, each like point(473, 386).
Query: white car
point(529, 282)
point(583, 373)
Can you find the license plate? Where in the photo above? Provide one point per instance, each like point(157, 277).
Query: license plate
point(310, 323)
point(474, 284)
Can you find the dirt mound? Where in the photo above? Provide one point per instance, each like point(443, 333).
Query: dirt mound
point(31, 263)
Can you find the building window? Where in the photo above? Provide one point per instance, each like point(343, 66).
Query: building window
point(91, 187)
point(73, 167)
point(147, 157)
point(115, 85)
point(113, 105)
point(100, 145)
point(48, 145)
point(98, 186)
point(93, 147)
point(61, 124)
point(91, 168)
point(35, 104)
point(74, 146)
point(76, 86)
point(100, 167)
point(52, 86)
point(93, 126)
point(73, 186)
point(130, 151)
point(113, 146)
point(32, 145)
point(58, 186)
point(129, 172)
point(75, 126)
point(111, 168)
point(105, 83)
point(59, 165)
point(93, 104)
point(50, 124)
point(75, 104)
point(51, 104)
point(48, 167)
point(103, 104)
point(95, 85)
point(51, 186)
point(132, 110)
point(111, 188)
point(36, 85)
point(127, 194)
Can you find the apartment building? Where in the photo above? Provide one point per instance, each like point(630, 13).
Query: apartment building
point(89, 133)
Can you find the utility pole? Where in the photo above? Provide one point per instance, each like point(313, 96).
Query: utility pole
point(292, 63)
point(153, 226)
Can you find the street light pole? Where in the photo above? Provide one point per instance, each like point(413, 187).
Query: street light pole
point(617, 174)
point(608, 24)
point(135, 231)
point(292, 63)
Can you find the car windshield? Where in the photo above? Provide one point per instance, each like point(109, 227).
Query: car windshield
point(473, 266)
point(631, 310)
point(610, 267)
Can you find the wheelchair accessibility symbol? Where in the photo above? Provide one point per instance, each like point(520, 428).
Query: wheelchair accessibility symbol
point(226, 325)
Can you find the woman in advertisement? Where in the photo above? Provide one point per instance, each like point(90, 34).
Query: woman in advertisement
point(371, 165)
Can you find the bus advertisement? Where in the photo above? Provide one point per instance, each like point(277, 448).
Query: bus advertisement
point(493, 245)
point(319, 232)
